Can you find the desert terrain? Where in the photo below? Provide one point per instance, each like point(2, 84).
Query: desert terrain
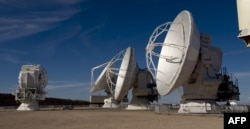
point(106, 119)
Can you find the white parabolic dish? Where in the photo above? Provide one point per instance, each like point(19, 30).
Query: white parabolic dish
point(126, 75)
point(179, 54)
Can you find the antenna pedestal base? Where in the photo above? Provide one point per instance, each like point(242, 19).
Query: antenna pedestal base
point(28, 106)
point(144, 93)
point(139, 107)
point(198, 106)
point(110, 103)
point(139, 104)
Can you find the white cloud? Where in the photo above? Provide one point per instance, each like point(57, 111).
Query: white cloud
point(38, 3)
point(13, 51)
point(34, 17)
point(64, 84)
point(68, 89)
point(11, 59)
point(49, 46)
point(22, 30)
point(238, 52)
point(242, 75)
point(11, 55)
point(68, 1)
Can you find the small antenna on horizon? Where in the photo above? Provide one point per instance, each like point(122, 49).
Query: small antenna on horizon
point(32, 81)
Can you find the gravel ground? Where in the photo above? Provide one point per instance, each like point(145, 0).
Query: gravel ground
point(105, 119)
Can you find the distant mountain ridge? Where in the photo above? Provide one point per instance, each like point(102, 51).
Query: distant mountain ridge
point(9, 100)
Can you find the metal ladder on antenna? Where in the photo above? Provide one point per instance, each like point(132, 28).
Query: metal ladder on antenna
point(228, 89)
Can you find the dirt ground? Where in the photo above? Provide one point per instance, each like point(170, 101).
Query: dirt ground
point(105, 119)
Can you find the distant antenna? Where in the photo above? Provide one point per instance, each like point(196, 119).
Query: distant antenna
point(125, 69)
point(101, 83)
point(32, 82)
point(122, 74)
point(126, 74)
point(186, 58)
point(118, 77)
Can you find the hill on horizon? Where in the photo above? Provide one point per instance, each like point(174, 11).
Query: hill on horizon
point(9, 100)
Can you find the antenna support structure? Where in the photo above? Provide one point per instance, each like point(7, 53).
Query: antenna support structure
point(32, 81)
point(187, 58)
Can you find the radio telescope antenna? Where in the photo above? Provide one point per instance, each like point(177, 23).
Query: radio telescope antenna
point(186, 58)
point(101, 83)
point(182, 41)
point(125, 69)
point(129, 75)
point(32, 81)
point(119, 76)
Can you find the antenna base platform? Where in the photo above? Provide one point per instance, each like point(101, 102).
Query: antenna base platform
point(110, 103)
point(139, 104)
point(28, 106)
point(139, 107)
point(199, 106)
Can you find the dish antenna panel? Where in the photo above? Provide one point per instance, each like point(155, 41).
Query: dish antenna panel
point(120, 75)
point(126, 74)
point(32, 81)
point(100, 83)
point(186, 58)
point(117, 77)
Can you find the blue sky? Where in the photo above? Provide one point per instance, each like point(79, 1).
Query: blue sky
point(69, 37)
